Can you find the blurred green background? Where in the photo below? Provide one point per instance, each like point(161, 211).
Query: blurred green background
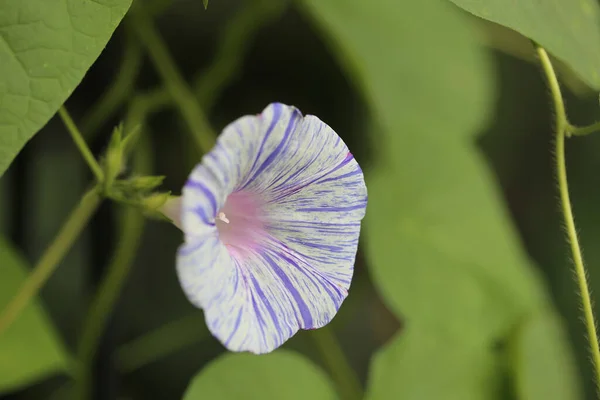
point(276, 51)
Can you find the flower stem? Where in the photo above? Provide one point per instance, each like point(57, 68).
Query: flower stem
point(182, 95)
point(107, 294)
point(561, 173)
point(52, 256)
point(349, 386)
point(161, 342)
point(83, 148)
point(130, 225)
point(582, 130)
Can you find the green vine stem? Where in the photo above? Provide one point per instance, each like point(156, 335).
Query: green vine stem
point(349, 386)
point(177, 87)
point(81, 145)
point(232, 46)
point(572, 130)
point(52, 256)
point(118, 91)
point(161, 342)
point(207, 85)
point(561, 127)
point(130, 225)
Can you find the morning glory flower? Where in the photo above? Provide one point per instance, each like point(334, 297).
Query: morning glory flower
point(271, 219)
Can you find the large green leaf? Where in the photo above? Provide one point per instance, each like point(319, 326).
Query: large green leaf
point(543, 365)
point(419, 365)
point(440, 246)
point(417, 62)
point(275, 376)
point(569, 29)
point(46, 47)
point(29, 348)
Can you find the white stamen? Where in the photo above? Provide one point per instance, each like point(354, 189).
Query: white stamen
point(223, 217)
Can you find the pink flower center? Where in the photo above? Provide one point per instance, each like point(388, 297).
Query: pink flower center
point(240, 222)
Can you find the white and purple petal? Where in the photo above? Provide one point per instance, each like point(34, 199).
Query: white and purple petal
point(295, 197)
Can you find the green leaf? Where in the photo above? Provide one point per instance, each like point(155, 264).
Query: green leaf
point(205, 2)
point(440, 246)
point(543, 366)
point(419, 365)
point(46, 47)
point(29, 349)
point(279, 375)
point(441, 249)
point(436, 80)
point(568, 29)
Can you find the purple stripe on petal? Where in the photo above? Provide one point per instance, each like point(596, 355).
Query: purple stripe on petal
point(289, 286)
point(266, 303)
point(236, 326)
point(330, 248)
point(306, 224)
point(259, 318)
point(282, 144)
point(295, 189)
point(334, 209)
point(200, 212)
point(277, 110)
point(209, 194)
point(319, 281)
point(300, 170)
point(337, 178)
point(189, 248)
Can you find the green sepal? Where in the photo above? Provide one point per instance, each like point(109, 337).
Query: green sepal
point(113, 159)
point(152, 204)
point(142, 184)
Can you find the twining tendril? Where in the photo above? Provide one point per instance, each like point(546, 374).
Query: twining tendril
point(563, 129)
